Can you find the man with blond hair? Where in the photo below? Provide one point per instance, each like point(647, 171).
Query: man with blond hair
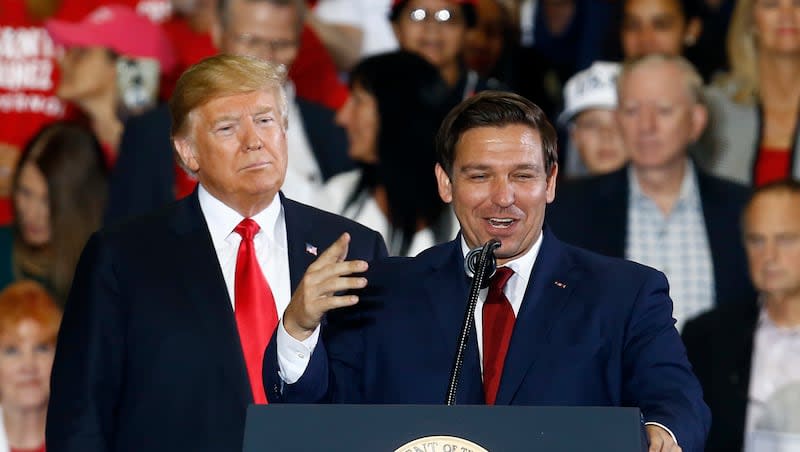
point(169, 314)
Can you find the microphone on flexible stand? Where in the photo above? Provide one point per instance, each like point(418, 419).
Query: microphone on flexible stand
point(480, 265)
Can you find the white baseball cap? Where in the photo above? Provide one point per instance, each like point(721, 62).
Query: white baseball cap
point(595, 87)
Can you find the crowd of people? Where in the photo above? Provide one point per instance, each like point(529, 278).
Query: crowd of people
point(674, 136)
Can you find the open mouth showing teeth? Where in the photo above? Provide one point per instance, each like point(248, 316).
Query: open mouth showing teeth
point(500, 222)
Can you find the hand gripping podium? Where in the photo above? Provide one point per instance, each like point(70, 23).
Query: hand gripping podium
point(441, 428)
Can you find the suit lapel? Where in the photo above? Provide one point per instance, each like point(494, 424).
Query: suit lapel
point(734, 361)
point(205, 286)
point(614, 230)
point(551, 282)
point(298, 238)
point(447, 289)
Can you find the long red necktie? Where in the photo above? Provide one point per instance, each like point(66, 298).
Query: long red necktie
point(498, 323)
point(256, 315)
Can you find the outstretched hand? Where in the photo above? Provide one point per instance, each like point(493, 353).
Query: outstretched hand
point(316, 293)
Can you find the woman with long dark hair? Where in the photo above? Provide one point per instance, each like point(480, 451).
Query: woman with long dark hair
point(58, 193)
point(396, 104)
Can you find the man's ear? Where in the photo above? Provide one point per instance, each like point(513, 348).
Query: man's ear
point(551, 183)
point(444, 184)
point(186, 153)
point(699, 120)
point(692, 33)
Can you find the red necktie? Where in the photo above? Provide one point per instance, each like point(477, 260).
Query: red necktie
point(256, 316)
point(498, 323)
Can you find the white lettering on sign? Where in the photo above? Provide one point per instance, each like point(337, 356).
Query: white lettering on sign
point(31, 103)
point(25, 42)
point(26, 74)
point(156, 10)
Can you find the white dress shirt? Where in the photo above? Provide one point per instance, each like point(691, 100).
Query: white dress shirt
point(514, 290)
point(293, 355)
point(270, 243)
point(775, 365)
point(365, 210)
point(303, 176)
point(677, 244)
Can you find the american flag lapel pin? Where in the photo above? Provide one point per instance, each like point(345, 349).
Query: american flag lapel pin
point(311, 249)
point(560, 284)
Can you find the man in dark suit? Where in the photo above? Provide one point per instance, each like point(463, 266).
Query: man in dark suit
point(569, 328)
point(745, 353)
point(661, 210)
point(145, 175)
point(169, 314)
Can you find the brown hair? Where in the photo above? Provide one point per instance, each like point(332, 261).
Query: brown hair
point(28, 300)
point(71, 160)
point(494, 109)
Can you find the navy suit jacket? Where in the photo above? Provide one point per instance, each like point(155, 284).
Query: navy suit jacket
point(720, 348)
point(144, 174)
point(593, 213)
point(591, 330)
point(148, 355)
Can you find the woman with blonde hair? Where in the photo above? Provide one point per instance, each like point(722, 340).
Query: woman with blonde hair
point(754, 110)
point(29, 321)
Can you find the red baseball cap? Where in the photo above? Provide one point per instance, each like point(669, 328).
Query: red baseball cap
point(119, 28)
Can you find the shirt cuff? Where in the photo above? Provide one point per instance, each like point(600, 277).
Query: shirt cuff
point(294, 355)
point(665, 428)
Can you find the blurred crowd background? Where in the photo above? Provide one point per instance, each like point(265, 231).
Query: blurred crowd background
point(669, 112)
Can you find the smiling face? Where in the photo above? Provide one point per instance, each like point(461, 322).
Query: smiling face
point(499, 187)
point(237, 147)
point(777, 26)
point(26, 358)
point(359, 117)
point(439, 42)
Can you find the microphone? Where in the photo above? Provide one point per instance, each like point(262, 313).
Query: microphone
point(473, 258)
point(480, 265)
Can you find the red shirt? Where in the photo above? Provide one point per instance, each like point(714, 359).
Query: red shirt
point(190, 47)
point(314, 73)
point(38, 449)
point(29, 75)
point(773, 164)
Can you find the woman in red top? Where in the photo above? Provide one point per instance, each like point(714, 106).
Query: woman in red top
point(29, 320)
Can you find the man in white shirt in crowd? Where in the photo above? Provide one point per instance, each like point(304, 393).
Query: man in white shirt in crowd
point(747, 355)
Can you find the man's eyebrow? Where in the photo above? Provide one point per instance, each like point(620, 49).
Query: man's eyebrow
point(482, 167)
point(224, 118)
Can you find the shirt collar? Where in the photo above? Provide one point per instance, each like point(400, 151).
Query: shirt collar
point(523, 265)
point(222, 219)
point(689, 193)
point(765, 323)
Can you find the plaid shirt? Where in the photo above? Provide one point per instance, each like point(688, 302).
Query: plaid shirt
point(676, 244)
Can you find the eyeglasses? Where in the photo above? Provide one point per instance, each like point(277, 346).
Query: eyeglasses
point(442, 16)
point(252, 42)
